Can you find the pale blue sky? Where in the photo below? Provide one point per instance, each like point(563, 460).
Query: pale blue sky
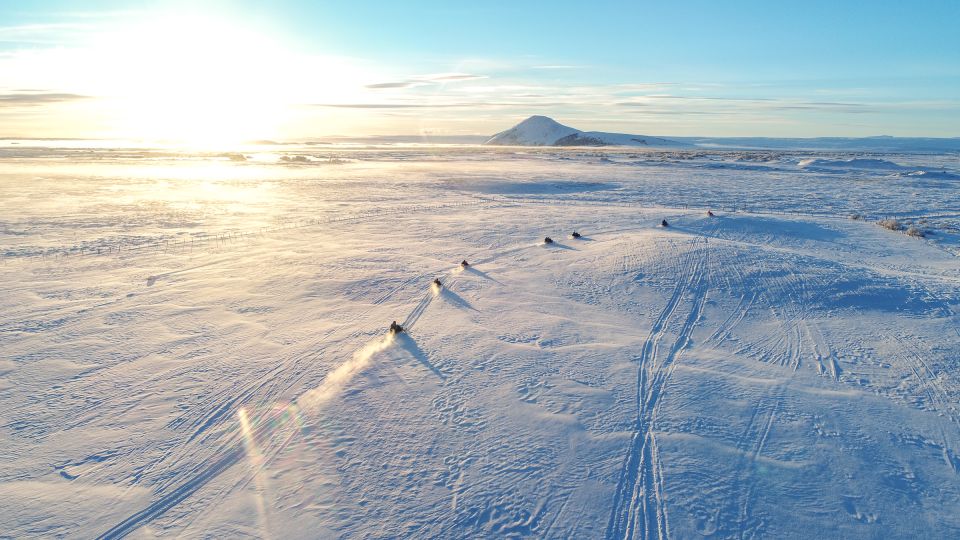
point(363, 67)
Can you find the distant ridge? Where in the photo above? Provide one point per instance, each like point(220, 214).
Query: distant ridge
point(544, 131)
point(881, 143)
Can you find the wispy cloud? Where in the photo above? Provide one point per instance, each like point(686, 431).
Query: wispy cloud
point(373, 105)
point(426, 80)
point(640, 100)
point(454, 77)
point(399, 84)
point(19, 30)
point(29, 98)
point(51, 34)
point(557, 66)
point(439, 105)
point(681, 104)
point(118, 14)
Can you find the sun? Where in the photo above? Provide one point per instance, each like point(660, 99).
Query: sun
point(197, 81)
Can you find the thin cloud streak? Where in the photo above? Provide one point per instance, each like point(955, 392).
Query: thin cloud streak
point(557, 67)
point(454, 77)
point(474, 104)
point(29, 99)
point(426, 80)
point(49, 34)
point(400, 84)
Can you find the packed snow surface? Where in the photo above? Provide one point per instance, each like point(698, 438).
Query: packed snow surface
point(543, 131)
point(195, 346)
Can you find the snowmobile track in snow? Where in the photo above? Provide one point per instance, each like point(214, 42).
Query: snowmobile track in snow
point(638, 509)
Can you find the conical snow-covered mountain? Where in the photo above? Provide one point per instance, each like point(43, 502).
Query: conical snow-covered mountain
point(544, 131)
point(534, 131)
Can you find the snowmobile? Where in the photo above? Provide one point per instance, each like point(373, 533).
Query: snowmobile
point(664, 223)
point(395, 328)
point(436, 282)
point(575, 234)
point(548, 240)
point(464, 263)
point(709, 213)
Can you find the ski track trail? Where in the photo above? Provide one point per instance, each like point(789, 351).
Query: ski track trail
point(638, 506)
point(798, 332)
point(939, 398)
point(751, 444)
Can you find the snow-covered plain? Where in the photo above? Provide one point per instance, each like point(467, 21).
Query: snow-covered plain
point(192, 346)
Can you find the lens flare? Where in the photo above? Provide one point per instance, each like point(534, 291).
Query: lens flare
point(257, 463)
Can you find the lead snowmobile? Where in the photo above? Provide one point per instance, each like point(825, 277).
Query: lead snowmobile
point(395, 328)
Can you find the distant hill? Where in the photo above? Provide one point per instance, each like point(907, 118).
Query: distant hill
point(545, 131)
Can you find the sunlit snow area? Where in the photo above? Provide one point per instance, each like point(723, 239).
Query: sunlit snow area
point(195, 345)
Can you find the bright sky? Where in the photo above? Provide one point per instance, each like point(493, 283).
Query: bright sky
point(221, 71)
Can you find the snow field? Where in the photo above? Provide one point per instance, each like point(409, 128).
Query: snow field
point(752, 374)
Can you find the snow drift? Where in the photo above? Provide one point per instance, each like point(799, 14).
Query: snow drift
point(875, 166)
point(853, 163)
